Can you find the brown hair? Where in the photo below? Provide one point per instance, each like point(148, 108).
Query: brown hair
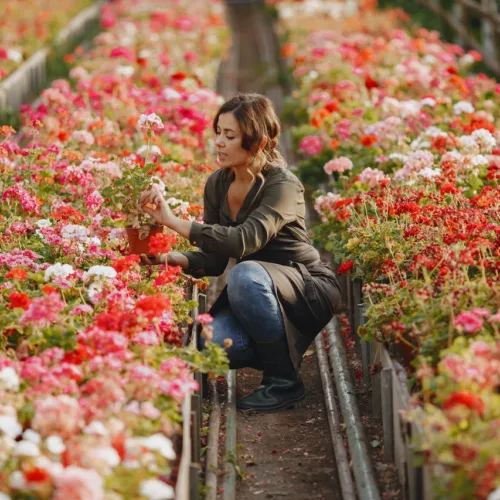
point(257, 119)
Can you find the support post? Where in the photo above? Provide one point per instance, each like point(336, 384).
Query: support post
point(387, 417)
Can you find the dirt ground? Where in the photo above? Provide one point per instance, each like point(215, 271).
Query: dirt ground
point(287, 453)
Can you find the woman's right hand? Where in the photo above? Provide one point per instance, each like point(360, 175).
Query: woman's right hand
point(171, 258)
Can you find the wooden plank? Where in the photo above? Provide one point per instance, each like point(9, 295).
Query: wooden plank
point(485, 11)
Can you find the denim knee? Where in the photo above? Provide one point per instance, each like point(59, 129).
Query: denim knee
point(246, 279)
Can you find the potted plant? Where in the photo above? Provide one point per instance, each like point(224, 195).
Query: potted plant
point(124, 193)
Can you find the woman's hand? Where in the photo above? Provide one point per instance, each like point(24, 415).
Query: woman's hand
point(154, 204)
point(171, 258)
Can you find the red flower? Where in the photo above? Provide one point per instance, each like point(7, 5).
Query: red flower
point(368, 140)
point(47, 289)
point(467, 399)
point(126, 264)
point(345, 267)
point(36, 475)
point(17, 273)
point(370, 83)
point(162, 243)
point(170, 275)
point(153, 306)
point(20, 300)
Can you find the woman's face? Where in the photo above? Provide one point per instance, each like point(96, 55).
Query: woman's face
point(230, 153)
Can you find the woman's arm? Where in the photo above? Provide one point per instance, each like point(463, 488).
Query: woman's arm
point(278, 207)
point(197, 264)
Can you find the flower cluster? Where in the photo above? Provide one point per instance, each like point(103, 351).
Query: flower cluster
point(408, 141)
point(92, 369)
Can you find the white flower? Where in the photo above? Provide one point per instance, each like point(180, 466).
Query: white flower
point(154, 489)
point(153, 148)
point(125, 71)
point(83, 136)
point(55, 445)
point(494, 495)
point(466, 60)
point(58, 270)
point(429, 173)
point(104, 271)
point(463, 107)
point(108, 454)
point(75, 232)
point(398, 157)
point(26, 449)
point(94, 292)
point(428, 101)
point(170, 94)
point(468, 145)
point(32, 436)
point(43, 223)
point(147, 121)
point(477, 160)
point(14, 55)
point(10, 426)
point(17, 480)
point(484, 139)
point(9, 380)
point(3, 496)
point(96, 428)
point(156, 442)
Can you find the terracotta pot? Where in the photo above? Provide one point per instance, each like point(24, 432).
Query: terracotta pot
point(137, 246)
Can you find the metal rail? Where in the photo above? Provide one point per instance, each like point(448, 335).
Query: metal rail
point(364, 474)
point(341, 458)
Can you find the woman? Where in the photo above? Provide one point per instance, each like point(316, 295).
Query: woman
point(279, 295)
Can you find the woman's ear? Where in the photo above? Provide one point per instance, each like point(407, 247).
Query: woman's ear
point(263, 143)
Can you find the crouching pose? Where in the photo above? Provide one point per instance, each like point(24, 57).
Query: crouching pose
point(279, 295)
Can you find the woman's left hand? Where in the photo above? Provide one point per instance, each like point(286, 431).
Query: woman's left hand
point(154, 204)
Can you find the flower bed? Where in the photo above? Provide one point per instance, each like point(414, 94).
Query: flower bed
point(92, 370)
point(27, 26)
point(409, 143)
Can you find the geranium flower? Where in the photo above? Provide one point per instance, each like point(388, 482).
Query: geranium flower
point(162, 243)
point(19, 299)
point(339, 165)
point(467, 399)
point(345, 267)
point(469, 321)
point(150, 121)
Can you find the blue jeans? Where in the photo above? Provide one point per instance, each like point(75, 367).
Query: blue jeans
point(253, 315)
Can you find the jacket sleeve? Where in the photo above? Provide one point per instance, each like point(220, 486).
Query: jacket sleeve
point(277, 208)
point(207, 263)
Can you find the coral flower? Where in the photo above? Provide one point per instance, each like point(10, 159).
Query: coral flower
point(467, 399)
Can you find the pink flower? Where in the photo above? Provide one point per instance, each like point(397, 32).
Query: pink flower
point(149, 337)
point(43, 310)
point(204, 318)
point(78, 484)
point(122, 52)
point(469, 321)
point(59, 415)
point(338, 165)
point(372, 177)
point(178, 388)
point(94, 200)
point(27, 201)
point(311, 145)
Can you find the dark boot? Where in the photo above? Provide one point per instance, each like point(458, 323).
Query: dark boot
point(254, 363)
point(281, 386)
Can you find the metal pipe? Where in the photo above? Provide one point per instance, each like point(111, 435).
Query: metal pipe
point(341, 459)
point(230, 461)
point(364, 474)
point(211, 463)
